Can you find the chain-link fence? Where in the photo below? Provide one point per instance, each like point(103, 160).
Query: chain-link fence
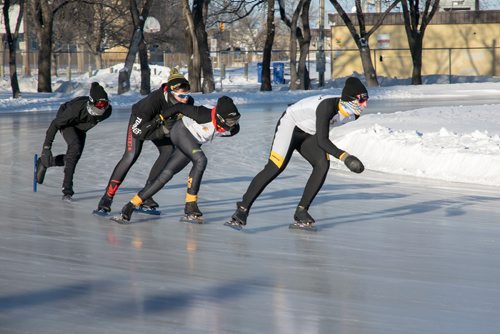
point(391, 63)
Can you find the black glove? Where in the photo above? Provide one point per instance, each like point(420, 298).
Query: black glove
point(159, 133)
point(46, 157)
point(354, 164)
point(149, 127)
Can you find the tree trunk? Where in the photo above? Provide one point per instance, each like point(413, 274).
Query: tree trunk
point(16, 92)
point(208, 85)
point(98, 60)
point(293, 49)
point(303, 73)
point(145, 70)
point(44, 59)
point(43, 18)
point(416, 22)
point(137, 39)
point(124, 74)
point(416, 57)
point(195, 61)
point(368, 68)
point(304, 43)
point(268, 48)
point(12, 42)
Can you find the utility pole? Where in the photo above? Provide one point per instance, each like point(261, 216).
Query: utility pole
point(26, 54)
point(320, 55)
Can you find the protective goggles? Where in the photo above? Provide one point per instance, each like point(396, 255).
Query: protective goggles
point(229, 121)
point(181, 95)
point(97, 108)
point(101, 104)
point(362, 98)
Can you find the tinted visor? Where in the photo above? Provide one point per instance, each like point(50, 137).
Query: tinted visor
point(181, 95)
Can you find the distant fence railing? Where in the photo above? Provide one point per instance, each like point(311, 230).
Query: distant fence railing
point(392, 63)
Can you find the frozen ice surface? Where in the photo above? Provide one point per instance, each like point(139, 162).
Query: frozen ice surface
point(392, 254)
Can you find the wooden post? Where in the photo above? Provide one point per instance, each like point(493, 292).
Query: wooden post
point(449, 66)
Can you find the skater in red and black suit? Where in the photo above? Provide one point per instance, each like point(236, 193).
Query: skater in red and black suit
point(74, 118)
point(145, 124)
point(305, 127)
point(198, 125)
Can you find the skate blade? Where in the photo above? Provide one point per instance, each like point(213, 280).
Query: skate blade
point(192, 219)
point(68, 200)
point(119, 219)
point(234, 225)
point(303, 227)
point(100, 213)
point(148, 211)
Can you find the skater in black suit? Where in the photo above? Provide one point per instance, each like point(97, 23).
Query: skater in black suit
point(305, 127)
point(74, 118)
point(145, 124)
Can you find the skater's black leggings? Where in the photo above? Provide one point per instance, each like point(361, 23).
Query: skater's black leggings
point(133, 149)
point(187, 149)
point(307, 146)
point(75, 139)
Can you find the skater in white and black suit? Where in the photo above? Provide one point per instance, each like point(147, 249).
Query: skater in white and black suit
point(198, 125)
point(305, 127)
point(74, 118)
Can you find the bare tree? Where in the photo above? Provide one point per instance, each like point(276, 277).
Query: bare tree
point(361, 38)
point(137, 44)
point(12, 37)
point(195, 61)
point(268, 48)
point(303, 38)
point(200, 9)
point(103, 24)
point(416, 21)
point(43, 12)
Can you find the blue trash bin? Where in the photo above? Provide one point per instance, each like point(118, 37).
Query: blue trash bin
point(279, 73)
point(259, 72)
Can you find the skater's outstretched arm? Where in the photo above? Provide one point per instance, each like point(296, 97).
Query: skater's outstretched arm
point(200, 114)
point(324, 113)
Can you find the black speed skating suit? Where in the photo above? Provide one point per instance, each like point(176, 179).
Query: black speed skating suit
point(73, 120)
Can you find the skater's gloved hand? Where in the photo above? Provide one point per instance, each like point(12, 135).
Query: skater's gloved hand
point(149, 127)
point(159, 133)
point(46, 157)
point(353, 163)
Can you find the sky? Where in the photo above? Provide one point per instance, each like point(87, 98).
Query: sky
point(459, 143)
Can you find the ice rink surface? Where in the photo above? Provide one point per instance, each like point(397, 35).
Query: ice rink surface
point(391, 255)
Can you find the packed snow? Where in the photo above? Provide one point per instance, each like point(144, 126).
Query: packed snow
point(459, 143)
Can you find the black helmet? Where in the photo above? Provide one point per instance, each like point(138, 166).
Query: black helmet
point(98, 100)
point(353, 87)
point(226, 113)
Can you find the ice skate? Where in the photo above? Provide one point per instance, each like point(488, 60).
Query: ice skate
point(124, 217)
point(149, 206)
point(303, 220)
point(104, 206)
point(67, 198)
point(192, 213)
point(40, 171)
point(238, 219)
